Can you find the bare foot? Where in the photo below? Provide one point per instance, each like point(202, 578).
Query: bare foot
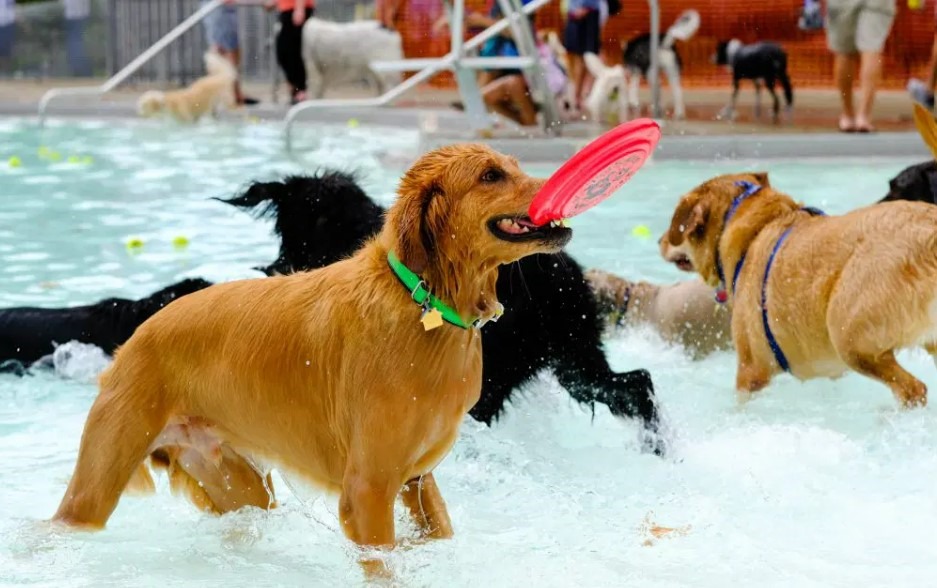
point(847, 124)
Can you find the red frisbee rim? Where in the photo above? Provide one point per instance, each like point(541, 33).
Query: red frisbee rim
point(596, 172)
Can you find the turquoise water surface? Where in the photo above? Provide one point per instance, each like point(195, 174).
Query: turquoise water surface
point(813, 484)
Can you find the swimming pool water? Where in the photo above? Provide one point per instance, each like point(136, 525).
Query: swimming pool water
point(815, 484)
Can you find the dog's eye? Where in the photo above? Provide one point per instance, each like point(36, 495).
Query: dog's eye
point(492, 175)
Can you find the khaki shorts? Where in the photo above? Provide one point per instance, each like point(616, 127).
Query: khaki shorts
point(858, 25)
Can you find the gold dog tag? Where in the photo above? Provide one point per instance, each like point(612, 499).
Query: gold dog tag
point(431, 319)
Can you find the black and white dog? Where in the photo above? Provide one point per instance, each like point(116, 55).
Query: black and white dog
point(610, 82)
point(760, 62)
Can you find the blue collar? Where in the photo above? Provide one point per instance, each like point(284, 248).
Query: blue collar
point(750, 189)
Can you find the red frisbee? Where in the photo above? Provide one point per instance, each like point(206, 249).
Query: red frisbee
point(593, 174)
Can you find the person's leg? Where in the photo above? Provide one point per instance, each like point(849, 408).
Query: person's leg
point(872, 30)
point(289, 55)
point(844, 72)
point(841, 40)
point(573, 41)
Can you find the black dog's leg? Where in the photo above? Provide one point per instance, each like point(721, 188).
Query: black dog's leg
point(776, 116)
point(757, 98)
point(728, 113)
point(13, 367)
point(627, 394)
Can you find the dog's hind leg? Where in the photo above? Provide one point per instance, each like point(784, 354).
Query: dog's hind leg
point(908, 390)
point(757, 83)
point(776, 112)
point(217, 484)
point(424, 501)
point(128, 414)
point(672, 70)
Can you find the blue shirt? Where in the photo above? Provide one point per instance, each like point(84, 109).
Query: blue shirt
point(590, 4)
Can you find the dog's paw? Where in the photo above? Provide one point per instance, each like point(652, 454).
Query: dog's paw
point(726, 113)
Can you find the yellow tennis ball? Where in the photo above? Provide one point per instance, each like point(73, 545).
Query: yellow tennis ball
point(15, 161)
point(87, 160)
point(180, 242)
point(352, 123)
point(135, 244)
point(253, 120)
point(55, 155)
point(43, 151)
point(74, 159)
point(641, 231)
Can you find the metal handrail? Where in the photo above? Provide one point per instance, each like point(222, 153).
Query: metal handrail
point(442, 63)
point(141, 60)
point(654, 69)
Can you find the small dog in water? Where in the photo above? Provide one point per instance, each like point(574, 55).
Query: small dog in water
point(760, 62)
point(206, 95)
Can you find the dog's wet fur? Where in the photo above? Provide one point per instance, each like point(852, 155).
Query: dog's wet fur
point(550, 320)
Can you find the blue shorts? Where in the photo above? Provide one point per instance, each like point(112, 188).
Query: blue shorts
point(6, 40)
point(221, 28)
point(583, 35)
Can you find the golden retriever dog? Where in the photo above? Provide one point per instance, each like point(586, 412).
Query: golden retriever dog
point(812, 294)
point(685, 313)
point(206, 95)
point(345, 375)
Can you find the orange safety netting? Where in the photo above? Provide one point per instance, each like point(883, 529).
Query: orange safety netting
point(906, 54)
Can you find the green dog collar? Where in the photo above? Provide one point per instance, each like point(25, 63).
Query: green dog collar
point(420, 293)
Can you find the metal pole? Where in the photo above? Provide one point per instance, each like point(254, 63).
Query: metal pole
point(653, 73)
point(471, 95)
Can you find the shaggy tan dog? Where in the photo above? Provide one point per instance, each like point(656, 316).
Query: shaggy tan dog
point(684, 313)
point(330, 374)
point(206, 95)
point(812, 294)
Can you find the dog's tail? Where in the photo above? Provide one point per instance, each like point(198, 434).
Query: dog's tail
point(216, 65)
point(780, 66)
point(594, 64)
point(926, 127)
point(682, 29)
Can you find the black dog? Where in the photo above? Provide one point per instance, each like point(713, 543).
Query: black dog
point(550, 319)
point(28, 334)
point(917, 183)
point(764, 61)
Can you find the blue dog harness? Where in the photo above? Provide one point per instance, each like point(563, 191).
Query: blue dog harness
point(750, 190)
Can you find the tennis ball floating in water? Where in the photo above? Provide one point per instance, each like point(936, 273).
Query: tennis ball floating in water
point(180, 242)
point(74, 159)
point(352, 122)
point(641, 231)
point(15, 161)
point(135, 244)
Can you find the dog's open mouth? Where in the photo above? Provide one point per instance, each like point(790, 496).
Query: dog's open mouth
point(521, 228)
point(683, 262)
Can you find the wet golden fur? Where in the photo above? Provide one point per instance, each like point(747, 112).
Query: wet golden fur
point(206, 95)
point(844, 292)
point(328, 374)
point(684, 313)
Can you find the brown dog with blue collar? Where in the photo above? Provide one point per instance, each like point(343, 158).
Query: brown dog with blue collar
point(337, 375)
point(811, 294)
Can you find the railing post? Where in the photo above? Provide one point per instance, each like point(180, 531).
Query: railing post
point(653, 73)
point(466, 79)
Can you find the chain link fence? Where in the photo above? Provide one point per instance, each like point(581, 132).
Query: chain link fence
point(42, 43)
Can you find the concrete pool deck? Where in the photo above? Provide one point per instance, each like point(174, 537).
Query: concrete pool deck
point(811, 133)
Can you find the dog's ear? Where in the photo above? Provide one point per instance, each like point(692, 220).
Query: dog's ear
point(927, 127)
point(690, 218)
point(262, 199)
point(414, 235)
point(762, 179)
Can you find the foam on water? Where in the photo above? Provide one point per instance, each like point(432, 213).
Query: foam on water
point(818, 484)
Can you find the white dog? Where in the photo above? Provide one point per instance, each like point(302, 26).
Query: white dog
point(340, 53)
